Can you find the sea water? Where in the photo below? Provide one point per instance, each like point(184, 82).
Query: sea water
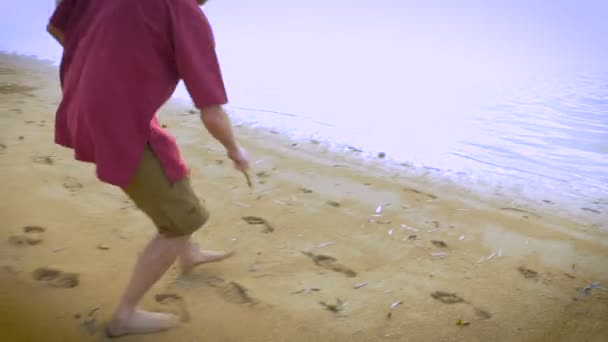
point(504, 96)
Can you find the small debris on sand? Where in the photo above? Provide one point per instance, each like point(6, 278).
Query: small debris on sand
point(325, 244)
point(462, 323)
point(379, 221)
point(358, 286)
point(393, 306)
point(409, 228)
point(440, 255)
point(308, 290)
point(337, 307)
point(103, 247)
point(381, 207)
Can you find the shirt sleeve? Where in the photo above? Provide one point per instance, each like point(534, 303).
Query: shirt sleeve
point(61, 16)
point(195, 55)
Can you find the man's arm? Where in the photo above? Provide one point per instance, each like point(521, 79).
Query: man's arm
point(198, 65)
point(219, 126)
point(56, 33)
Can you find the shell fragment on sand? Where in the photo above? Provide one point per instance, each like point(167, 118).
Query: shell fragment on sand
point(440, 255)
point(393, 306)
point(381, 207)
point(409, 228)
point(325, 244)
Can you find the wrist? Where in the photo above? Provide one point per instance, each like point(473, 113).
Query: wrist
point(232, 148)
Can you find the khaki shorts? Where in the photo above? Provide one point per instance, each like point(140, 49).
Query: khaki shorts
point(174, 208)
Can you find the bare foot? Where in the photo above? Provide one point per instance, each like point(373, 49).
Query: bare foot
point(195, 257)
point(141, 322)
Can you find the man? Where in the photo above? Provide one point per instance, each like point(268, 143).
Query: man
point(121, 62)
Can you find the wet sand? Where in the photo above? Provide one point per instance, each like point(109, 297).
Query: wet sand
point(316, 257)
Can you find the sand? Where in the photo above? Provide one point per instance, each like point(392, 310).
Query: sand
point(314, 260)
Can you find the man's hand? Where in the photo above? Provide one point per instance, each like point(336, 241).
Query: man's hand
point(240, 158)
point(218, 124)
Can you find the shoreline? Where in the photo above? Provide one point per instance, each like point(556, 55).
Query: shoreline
point(591, 208)
point(517, 273)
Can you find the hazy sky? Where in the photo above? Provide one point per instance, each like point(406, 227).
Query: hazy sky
point(411, 70)
point(333, 51)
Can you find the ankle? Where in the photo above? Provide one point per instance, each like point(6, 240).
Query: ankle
point(122, 313)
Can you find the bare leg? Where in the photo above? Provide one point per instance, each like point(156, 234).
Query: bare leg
point(153, 262)
point(192, 256)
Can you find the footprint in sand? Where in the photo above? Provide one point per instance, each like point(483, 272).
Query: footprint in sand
point(176, 302)
point(262, 174)
point(46, 160)
point(2, 147)
point(72, 184)
point(418, 192)
point(12, 88)
point(56, 278)
point(254, 220)
point(330, 263)
point(453, 298)
point(31, 236)
point(89, 322)
point(236, 293)
point(528, 273)
point(7, 71)
point(447, 297)
point(333, 204)
point(210, 280)
point(591, 210)
point(439, 243)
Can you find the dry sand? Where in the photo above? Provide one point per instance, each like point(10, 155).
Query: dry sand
point(509, 275)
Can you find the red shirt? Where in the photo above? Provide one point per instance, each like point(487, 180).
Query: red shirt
point(122, 60)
